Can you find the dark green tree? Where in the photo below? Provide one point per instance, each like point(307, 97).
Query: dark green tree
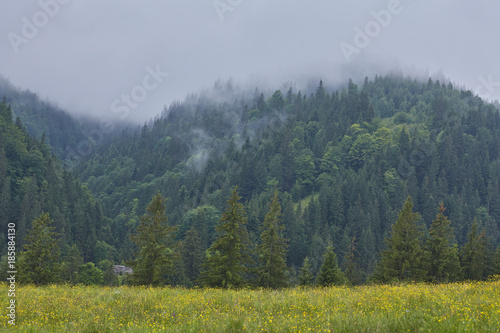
point(109, 278)
point(474, 254)
point(89, 274)
point(489, 268)
point(272, 250)
point(404, 142)
point(39, 260)
point(404, 259)
point(276, 101)
point(5, 111)
point(352, 270)
point(305, 275)
point(444, 263)
point(30, 207)
point(330, 273)
point(157, 249)
point(72, 262)
point(227, 257)
point(104, 251)
point(192, 254)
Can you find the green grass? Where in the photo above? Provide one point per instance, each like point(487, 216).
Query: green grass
point(460, 307)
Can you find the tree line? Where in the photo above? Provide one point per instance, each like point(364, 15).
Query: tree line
point(344, 161)
point(412, 254)
point(34, 181)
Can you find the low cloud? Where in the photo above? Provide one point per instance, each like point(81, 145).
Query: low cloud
point(86, 54)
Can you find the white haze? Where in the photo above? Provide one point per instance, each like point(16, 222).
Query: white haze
point(92, 52)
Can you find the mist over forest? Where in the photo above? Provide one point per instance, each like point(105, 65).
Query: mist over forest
point(342, 162)
point(269, 165)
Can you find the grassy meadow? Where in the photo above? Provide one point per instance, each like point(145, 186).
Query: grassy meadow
point(460, 307)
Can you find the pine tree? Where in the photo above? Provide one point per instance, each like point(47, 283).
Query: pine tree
point(330, 273)
point(489, 264)
point(192, 254)
point(30, 208)
point(39, 260)
point(352, 270)
point(473, 255)
point(226, 259)
point(404, 259)
point(305, 276)
point(5, 111)
point(71, 264)
point(444, 264)
point(273, 248)
point(295, 234)
point(157, 250)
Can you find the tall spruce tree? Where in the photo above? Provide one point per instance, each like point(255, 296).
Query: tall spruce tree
point(474, 254)
point(30, 208)
point(305, 276)
point(39, 260)
point(192, 254)
point(330, 273)
point(72, 262)
point(352, 270)
point(489, 267)
point(157, 249)
point(226, 259)
point(444, 264)
point(404, 259)
point(272, 251)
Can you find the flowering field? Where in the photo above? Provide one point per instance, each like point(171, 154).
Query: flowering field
point(429, 308)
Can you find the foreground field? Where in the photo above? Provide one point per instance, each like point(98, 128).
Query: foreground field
point(472, 307)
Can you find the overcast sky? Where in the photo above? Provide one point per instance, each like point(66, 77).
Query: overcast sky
point(88, 55)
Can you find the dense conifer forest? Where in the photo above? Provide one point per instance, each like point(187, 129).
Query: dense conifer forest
point(387, 180)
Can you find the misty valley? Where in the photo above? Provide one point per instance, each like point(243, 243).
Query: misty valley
point(363, 207)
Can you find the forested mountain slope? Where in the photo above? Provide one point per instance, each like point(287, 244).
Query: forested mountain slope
point(68, 136)
point(33, 180)
point(344, 162)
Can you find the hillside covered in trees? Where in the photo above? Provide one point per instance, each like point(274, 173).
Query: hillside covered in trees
point(68, 136)
point(344, 163)
point(34, 181)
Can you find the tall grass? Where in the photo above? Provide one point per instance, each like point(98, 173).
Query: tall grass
point(459, 307)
